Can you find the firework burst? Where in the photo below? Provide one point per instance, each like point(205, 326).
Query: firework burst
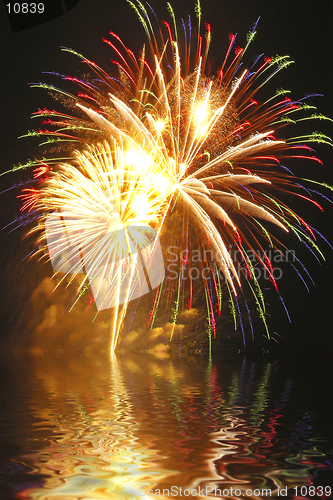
point(163, 136)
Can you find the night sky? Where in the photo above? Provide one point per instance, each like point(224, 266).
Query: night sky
point(301, 29)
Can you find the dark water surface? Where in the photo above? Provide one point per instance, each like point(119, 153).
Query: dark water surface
point(103, 429)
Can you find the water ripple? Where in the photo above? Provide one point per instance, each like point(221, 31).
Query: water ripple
point(103, 430)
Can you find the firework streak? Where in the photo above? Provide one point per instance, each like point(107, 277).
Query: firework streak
point(161, 139)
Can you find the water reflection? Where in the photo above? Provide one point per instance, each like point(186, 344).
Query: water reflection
point(103, 429)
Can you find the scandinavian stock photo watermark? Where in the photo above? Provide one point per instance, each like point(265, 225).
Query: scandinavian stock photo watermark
point(196, 264)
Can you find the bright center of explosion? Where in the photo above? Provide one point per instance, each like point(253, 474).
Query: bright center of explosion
point(161, 183)
point(160, 125)
point(138, 159)
point(140, 205)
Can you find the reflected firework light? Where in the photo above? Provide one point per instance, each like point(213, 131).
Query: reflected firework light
point(164, 137)
point(92, 418)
